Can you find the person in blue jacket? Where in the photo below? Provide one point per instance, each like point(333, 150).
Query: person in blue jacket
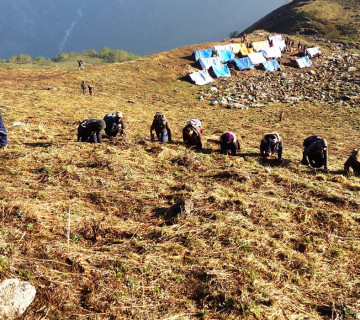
point(3, 133)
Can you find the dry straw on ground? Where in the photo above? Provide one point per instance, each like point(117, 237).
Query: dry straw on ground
point(261, 242)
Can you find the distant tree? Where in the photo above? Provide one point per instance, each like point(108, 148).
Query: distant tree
point(61, 57)
point(12, 59)
point(39, 59)
point(23, 58)
point(105, 53)
point(91, 53)
point(234, 34)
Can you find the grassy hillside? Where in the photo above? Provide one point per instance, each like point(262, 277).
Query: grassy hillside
point(260, 241)
point(332, 19)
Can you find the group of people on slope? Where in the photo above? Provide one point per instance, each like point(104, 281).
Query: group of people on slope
point(89, 130)
point(315, 153)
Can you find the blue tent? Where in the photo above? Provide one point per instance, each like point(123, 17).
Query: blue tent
point(226, 55)
point(221, 71)
point(244, 63)
point(207, 53)
point(271, 65)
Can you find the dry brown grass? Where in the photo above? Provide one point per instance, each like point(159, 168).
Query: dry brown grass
point(262, 242)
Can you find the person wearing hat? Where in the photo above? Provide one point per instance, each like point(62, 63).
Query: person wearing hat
point(89, 130)
point(229, 142)
point(3, 133)
point(115, 124)
point(315, 152)
point(271, 144)
point(192, 134)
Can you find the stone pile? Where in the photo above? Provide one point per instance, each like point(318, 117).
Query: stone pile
point(332, 79)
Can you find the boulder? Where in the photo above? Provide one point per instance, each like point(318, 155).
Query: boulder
point(15, 297)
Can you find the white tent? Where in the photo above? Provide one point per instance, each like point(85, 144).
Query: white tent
point(279, 44)
point(256, 58)
point(201, 77)
point(217, 49)
point(206, 63)
point(275, 38)
point(312, 52)
point(272, 52)
point(303, 62)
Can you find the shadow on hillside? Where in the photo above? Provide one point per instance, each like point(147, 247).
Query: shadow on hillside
point(39, 144)
point(205, 151)
point(190, 57)
point(275, 162)
point(185, 78)
point(250, 154)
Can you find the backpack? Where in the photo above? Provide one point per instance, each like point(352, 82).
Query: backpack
point(309, 140)
point(160, 119)
point(110, 117)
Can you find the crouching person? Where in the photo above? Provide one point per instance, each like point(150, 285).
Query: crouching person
point(271, 145)
point(229, 143)
point(315, 152)
point(3, 133)
point(161, 128)
point(353, 162)
point(89, 130)
point(115, 124)
point(192, 134)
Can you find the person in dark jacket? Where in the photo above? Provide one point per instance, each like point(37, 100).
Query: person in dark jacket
point(353, 162)
point(83, 87)
point(315, 152)
point(229, 143)
point(161, 128)
point(115, 124)
point(271, 144)
point(192, 137)
point(3, 133)
point(89, 130)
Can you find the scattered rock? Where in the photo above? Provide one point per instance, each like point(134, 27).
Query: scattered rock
point(15, 297)
point(180, 208)
point(18, 123)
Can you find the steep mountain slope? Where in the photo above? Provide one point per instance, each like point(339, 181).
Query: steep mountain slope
point(333, 19)
point(260, 240)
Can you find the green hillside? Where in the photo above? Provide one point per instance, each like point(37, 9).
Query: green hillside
point(332, 19)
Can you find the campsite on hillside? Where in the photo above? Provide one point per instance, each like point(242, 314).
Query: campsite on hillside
point(131, 228)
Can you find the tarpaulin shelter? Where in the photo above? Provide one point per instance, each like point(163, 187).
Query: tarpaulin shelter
point(201, 77)
point(271, 65)
point(312, 52)
point(259, 45)
point(244, 50)
point(279, 44)
point(236, 47)
point(303, 62)
point(272, 52)
point(256, 58)
point(274, 38)
point(226, 55)
point(217, 49)
point(206, 63)
point(206, 53)
point(244, 63)
point(221, 71)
